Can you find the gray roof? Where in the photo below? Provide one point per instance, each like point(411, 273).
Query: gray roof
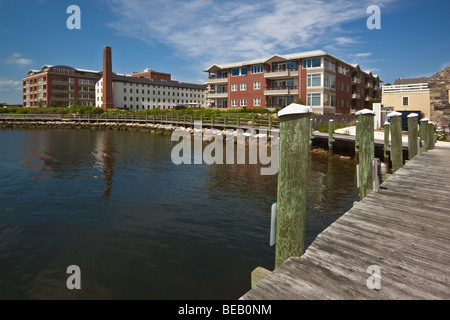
point(411, 81)
point(170, 83)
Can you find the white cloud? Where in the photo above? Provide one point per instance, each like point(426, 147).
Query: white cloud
point(10, 85)
point(17, 59)
point(213, 31)
point(363, 54)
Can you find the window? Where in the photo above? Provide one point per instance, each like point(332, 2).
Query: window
point(243, 102)
point(256, 85)
point(257, 68)
point(313, 99)
point(405, 101)
point(329, 64)
point(329, 81)
point(243, 86)
point(257, 102)
point(312, 63)
point(233, 102)
point(239, 71)
point(329, 100)
point(315, 80)
point(234, 87)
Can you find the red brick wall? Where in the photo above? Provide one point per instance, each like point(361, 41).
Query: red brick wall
point(342, 93)
point(153, 75)
point(250, 93)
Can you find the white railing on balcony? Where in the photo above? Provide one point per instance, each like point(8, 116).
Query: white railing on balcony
point(406, 88)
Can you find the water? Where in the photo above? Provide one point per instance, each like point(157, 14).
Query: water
point(138, 226)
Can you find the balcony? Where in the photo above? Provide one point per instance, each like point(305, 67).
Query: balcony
point(213, 79)
point(356, 96)
point(356, 80)
point(281, 73)
point(217, 94)
point(281, 91)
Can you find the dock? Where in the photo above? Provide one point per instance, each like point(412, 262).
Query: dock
point(401, 232)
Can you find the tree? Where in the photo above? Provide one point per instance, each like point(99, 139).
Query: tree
point(298, 100)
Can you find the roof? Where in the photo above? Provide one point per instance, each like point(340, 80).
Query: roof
point(169, 83)
point(285, 57)
point(48, 67)
point(411, 81)
point(280, 57)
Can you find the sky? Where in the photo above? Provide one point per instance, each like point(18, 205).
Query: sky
point(183, 37)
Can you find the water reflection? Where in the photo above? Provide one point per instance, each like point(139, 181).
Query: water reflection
point(104, 155)
point(67, 156)
point(165, 231)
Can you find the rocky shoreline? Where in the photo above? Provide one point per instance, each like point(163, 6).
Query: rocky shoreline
point(162, 129)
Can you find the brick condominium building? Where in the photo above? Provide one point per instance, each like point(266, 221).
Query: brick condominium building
point(324, 82)
point(59, 86)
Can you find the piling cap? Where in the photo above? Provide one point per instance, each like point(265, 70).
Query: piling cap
point(412, 115)
point(364, 111)
point(294, 108)
point(424, 119)
point(394, 114)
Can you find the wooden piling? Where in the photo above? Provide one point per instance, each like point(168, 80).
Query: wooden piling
point(366, 151)
point(396, 140)
point(292, 181)
point(423, 131)
point(357, 140)
point(310, 132)
point(431, 135)
point(330, 135)
point(258, 274)
point(387, 126)
point(412, 135)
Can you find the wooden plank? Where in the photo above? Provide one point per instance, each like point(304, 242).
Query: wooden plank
point(404, 229)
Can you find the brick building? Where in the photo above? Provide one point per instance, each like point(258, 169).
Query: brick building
point(59, 86)
point(324, 82)
point(146, 90)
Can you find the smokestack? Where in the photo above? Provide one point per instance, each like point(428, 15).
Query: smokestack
point(107, 97)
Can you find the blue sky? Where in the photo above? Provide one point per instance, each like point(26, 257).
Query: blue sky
point(182, 37)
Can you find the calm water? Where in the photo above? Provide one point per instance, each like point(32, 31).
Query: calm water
point(138, 226)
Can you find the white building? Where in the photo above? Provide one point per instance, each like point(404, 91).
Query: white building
point(142, 93)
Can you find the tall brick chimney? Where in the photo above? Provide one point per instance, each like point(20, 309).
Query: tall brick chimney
point(107, 97)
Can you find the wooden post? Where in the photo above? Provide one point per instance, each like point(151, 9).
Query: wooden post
point(270, 123)
point(412, 135)
point(423, 134)
point(292, 181)
point(431, 135)
point(366, 151)
point(387, 126)
point(396, 140)
point(258, 274)
point(330, 135)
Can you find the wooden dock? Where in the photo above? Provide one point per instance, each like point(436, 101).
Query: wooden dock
point(404, 230)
